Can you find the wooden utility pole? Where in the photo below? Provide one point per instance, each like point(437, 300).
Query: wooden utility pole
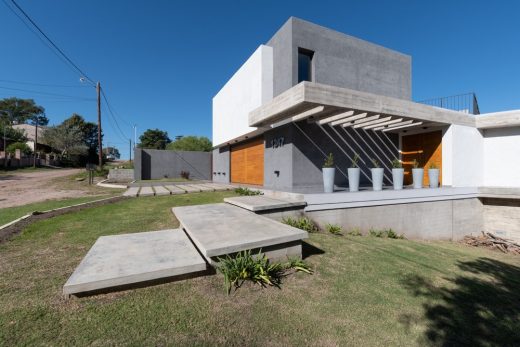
point(35, 140)
point(130, 150)
point(98, 89)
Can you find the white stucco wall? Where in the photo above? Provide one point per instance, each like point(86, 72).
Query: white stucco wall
point(462, 151)
point(502, 157)
point(250, 87)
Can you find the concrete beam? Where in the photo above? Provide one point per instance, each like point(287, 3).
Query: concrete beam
point(308, 113)
point(401, 126)
point(375, 121)
point(349, 119)
point(384, 123)
point(498, 120)
point(335, 118)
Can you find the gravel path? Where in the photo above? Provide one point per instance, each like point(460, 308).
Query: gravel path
point(24, 188)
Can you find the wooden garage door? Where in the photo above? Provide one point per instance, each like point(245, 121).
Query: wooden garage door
point(426, 149)
point(247, 162)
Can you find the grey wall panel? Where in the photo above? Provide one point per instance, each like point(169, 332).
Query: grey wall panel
point(278, 154)
point(221, 158)
point(157, 164)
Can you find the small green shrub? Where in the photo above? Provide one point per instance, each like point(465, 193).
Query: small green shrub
point(23, 147)
point(433, 166)
point(385, 233)
point(257, 269)
point(415, 164)
point(333, 229)
point(329, 161)
point(375, 232)
point(303, 223)
point(185, 175)
point(397, 164)
point(247, 191)
point(355, 161)
point(354, 232)
point(375, 163)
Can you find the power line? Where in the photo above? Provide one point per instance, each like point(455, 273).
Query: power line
point(112, 113)
point(47, 93)
point(44, 84)
point(83, 74)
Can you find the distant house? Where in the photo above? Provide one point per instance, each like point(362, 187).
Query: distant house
point(30, 132)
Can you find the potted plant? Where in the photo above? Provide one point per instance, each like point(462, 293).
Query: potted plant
point(397, 174)
point(433, 175)
point(328, 174)
point(377, 175)
point(353, 174)
point(417, 174)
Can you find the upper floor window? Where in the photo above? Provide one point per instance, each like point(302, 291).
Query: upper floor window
point(305, 65)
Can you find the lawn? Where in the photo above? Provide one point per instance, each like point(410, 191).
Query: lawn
point(365, 291)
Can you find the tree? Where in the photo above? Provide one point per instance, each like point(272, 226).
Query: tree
point(69, 141)
point(22, 146)
point(11, 134)
point(15, 110)
point(154, 138)
point(112, 151)
point(191, 143)
point(40, 120)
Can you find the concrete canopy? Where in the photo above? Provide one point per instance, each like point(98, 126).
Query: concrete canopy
point(328, 101)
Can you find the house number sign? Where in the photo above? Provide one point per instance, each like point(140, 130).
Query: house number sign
point(277, 142)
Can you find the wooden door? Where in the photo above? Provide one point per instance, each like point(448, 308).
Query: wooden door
point(426, 149)
point(247, 162)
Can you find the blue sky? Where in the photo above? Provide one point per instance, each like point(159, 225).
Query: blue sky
point(161, 62)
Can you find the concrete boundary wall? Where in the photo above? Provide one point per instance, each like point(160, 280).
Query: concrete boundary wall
point(159, 164)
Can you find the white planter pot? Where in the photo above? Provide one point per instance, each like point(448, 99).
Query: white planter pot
point(328, 179)
point(433, 177)
point(398, 177)
point(377, 178)
point(417, 175)
point(353, 179)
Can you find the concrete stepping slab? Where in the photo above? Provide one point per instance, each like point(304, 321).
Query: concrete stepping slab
point(132, 191)
point(262, 203)
point(175, 190)
point(160, 190)
point(217, 187)
point(220, 229)
point(202, 188)
point(146, 191)
point(123, 260)
point(188, 188)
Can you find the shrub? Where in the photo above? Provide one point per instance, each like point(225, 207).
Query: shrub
point(375, 163)
point(23, 147)
point(396, 164)
point(247, 191)
point(257, 269)
point(333, 229)
point(329, 161)
point(415, 164)
point(433, 166)
point(185, 174)
point(355, 161)
point(303, 223)
point(386, 233)
point(354, 232)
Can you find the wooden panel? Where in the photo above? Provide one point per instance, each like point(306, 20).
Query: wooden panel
point(247, 162)
point(426, 149)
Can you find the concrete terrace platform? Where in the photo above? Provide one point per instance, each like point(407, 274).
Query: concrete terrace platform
point(128, 259)
point(221, 229)
point(260, 203)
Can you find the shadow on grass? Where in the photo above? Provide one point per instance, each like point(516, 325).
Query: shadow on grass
point(480, 307)
point(310, 250)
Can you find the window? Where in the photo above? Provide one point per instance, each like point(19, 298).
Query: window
point(304, 65)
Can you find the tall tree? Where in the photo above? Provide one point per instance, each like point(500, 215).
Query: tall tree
point(191, 143)
point(18, 111)
point(68, 140)
point(154, 138)
point(88, 130)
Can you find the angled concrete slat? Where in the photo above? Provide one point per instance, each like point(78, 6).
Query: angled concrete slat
point(132, 191)
point(146, 191)
point(160, 190)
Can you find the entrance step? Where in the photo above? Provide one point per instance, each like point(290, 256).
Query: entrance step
point(259, 203)
point(221, 229)
point(146, 191)
point(160, 190)
point(129, 259)
point(132, 191)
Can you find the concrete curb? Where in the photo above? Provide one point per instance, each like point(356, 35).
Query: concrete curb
point(111, 185)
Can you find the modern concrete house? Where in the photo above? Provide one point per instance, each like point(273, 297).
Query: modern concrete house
point(310, 91)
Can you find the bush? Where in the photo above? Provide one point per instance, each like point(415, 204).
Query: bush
point(247, 191)
point(257, 269)
point(333, 229)
point(385, 233)
point(303, 223)
point(354, 232)
point(185, 175)
point(23, 147)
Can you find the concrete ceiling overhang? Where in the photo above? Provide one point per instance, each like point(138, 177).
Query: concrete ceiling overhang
point(331, 105)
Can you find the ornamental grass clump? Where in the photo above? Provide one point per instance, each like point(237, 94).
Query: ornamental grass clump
point(303, 223)
point(247, 192)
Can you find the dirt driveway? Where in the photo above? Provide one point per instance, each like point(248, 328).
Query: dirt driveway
point(18, 188)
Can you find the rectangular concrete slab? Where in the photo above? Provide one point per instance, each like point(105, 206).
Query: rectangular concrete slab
point(203, 188)
point(160, 190)
point(262, 203)
point(132, 191)
point(220, 229)
point(146, 191)
point(126, 259)
point(219, 187)
point(188, 188)
point(175, 190)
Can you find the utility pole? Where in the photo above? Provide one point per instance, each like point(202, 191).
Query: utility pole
point(98, 89)
point(135, 134)
point(35, 140)
point(130, 149)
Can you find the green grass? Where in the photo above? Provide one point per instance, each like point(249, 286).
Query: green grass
point(11, 213)
point(364, 291)
point(28, 169)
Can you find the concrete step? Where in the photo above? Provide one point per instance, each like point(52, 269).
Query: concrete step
point(202, 188)
point(188, 188)
point(160, 190)
point(259, 203)
point(175, 189)
point(132, 191)
point(146, 191)
point(129, 259)
point(220, 229)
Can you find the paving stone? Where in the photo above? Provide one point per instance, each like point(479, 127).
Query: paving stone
point(188, 188)
point(202, 188)
point(126, 259)
point(160, 190)
point(262, 203)
point(132, 191)
point(219, 229)
point(146, 191)
point(175, 189)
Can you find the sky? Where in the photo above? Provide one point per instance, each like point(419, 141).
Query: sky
point(161, 62)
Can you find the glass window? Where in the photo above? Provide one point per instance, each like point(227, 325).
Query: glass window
point(304, 65)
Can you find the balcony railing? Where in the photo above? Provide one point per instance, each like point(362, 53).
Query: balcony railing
point(466, 103)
